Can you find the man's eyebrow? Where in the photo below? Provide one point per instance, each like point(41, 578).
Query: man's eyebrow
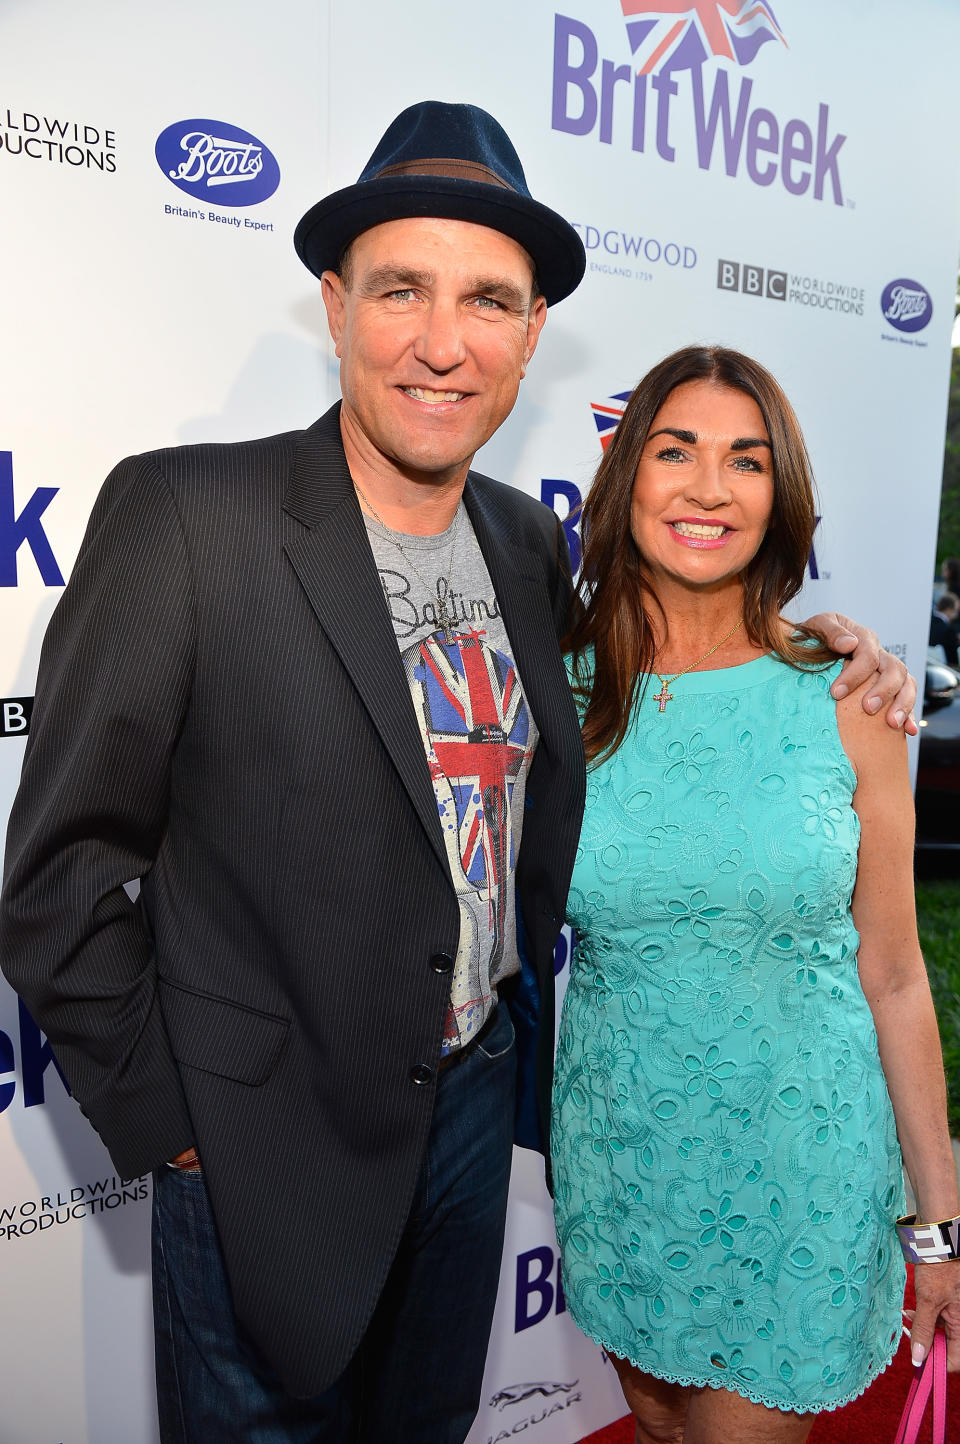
point(383, 278)
point(741, 443)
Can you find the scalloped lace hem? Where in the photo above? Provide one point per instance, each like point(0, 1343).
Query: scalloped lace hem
point(689, 1381)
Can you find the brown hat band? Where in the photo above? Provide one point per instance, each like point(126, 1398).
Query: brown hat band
point(445, 166)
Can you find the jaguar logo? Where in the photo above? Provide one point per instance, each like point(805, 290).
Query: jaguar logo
point(517, 1393)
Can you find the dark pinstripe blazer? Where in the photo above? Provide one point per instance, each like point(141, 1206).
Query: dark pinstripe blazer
point(222, 711)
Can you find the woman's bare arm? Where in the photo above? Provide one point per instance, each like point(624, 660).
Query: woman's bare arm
point(894, 982)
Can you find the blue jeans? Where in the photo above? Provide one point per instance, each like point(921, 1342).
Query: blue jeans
point(417, 1375)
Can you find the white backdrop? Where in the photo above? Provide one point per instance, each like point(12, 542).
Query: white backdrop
point(787, 185)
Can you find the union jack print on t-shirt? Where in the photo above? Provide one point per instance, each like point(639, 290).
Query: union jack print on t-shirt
point(476, 724)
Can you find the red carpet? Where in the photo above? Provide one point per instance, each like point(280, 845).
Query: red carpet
point(871, 1419)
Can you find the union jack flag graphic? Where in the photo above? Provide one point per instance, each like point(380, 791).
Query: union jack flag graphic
point(675, 35)
point(608, 414)
point(472, 711)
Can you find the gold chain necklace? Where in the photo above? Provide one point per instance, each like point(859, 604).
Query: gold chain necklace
point(663, 696)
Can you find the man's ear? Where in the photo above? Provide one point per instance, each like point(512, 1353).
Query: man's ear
point(535, 319)
point(334, 299)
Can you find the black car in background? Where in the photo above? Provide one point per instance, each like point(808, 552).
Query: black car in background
point(938, 775)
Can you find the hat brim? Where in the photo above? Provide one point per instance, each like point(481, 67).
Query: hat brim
point(551, 242)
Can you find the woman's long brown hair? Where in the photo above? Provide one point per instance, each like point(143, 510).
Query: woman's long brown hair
point(615, 597)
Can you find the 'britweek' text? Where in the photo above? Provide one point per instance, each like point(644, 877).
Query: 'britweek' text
point(618, 104)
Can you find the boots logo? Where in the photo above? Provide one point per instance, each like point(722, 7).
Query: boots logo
point(217, 162)
point(692, 58)
point(906, 305)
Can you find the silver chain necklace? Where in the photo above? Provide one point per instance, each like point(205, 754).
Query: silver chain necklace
point(447, 623)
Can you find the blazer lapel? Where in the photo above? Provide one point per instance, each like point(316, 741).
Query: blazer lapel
point(335, 566)
point(517, 578)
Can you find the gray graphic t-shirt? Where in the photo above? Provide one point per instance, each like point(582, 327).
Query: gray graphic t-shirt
point(478, 735)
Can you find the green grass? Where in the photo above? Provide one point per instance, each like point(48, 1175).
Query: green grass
point(938, 916)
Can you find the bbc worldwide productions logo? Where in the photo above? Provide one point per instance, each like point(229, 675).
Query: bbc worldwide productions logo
point(752, 280)
point(827, 294)
point(58, 140)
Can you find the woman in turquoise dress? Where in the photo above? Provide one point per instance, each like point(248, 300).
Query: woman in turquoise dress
point(748, 1029)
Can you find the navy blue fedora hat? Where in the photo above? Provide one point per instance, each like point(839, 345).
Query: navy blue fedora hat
point(455, 162)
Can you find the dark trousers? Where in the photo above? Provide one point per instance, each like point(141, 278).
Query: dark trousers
point(417, 1376)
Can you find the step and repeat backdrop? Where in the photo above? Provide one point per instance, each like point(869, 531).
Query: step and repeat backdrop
point(782, 178)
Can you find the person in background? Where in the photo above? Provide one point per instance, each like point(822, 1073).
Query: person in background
point(943, 626)
point(950, 575)
point(748, 1028)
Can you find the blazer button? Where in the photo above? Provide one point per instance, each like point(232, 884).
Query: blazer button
point(441, 962)
point(421, 1073)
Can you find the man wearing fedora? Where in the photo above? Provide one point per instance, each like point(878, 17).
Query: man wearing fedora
point(308, 689)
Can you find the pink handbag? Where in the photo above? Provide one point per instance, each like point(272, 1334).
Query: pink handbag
point(932, 1377)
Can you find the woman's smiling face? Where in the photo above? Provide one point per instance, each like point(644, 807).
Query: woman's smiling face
point(703, 491)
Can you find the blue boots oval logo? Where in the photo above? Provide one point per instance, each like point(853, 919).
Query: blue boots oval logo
point(216, 162)
point(906, 305)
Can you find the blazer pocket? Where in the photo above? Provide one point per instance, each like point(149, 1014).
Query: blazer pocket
point(221, 1037)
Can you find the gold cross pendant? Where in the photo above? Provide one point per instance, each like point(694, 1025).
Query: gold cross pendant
point(663, 696)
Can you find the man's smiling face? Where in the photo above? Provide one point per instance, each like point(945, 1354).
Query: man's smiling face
point(434, 323)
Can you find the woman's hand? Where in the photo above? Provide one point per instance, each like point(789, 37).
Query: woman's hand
point(938, 1302)
point(891, 685)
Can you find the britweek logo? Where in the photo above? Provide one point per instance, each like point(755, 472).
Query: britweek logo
point(539, 1288)
point(213, 161)
point(24, 527)
point(608, 414)
point(26, 1074)
point(906, 305)
point(552, 488)
point(695, 53)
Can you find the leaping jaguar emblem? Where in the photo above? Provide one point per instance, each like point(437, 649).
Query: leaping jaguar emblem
point(516, 1393)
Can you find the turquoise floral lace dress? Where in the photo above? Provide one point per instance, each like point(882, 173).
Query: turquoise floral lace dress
point(726, 1163)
